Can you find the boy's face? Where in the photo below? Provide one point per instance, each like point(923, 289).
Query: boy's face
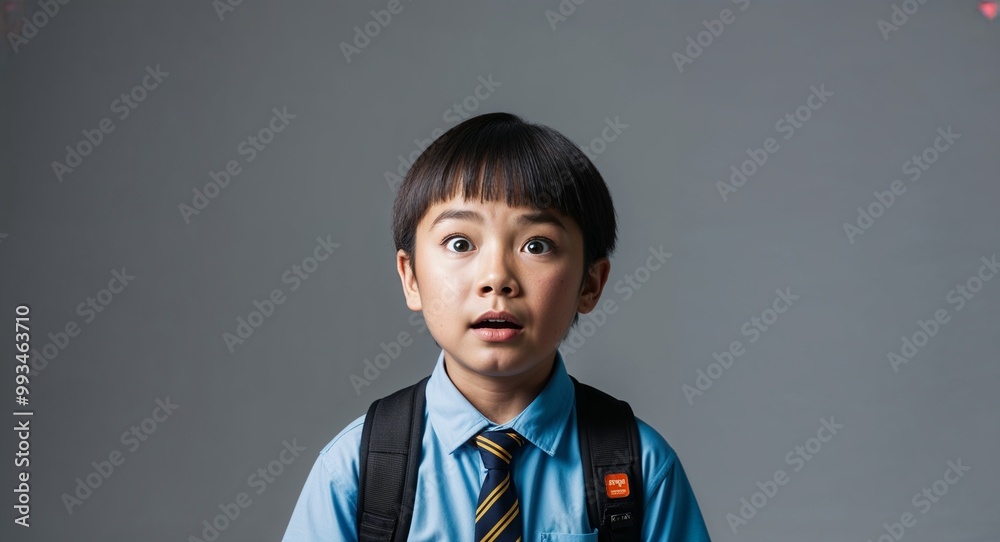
point(474, 257)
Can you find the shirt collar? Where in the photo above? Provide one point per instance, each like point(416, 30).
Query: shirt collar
point(542, 422)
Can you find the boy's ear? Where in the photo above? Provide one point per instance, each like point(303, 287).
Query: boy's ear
point(593, 285)
point(409, 279)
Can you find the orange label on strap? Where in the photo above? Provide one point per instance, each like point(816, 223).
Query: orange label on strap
point(616, 485)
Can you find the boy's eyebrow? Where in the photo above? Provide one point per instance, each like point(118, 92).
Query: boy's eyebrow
point(538, 217)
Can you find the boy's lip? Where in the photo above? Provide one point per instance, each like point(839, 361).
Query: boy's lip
point(498, 315)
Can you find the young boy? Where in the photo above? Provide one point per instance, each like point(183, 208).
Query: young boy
point(503, 231)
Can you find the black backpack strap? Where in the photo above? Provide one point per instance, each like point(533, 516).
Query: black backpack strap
point(391, 442)
point(612, 461)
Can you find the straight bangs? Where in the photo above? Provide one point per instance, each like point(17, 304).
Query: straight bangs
point(505, 164)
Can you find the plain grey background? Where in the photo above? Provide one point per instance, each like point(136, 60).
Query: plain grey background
point(328, 174)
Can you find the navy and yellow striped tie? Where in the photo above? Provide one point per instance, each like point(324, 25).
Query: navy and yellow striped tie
point(498, 517)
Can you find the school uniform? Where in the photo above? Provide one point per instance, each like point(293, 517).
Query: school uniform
point(545, 470)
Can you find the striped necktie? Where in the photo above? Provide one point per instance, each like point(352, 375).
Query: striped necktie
point(498, 516)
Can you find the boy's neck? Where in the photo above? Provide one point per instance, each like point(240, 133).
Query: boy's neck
point(500, 399)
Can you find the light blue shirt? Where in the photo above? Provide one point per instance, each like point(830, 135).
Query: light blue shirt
point(547, 474)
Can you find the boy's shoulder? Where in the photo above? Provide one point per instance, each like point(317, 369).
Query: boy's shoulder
point(348, 435)
point(658, 456)
point(340, 456)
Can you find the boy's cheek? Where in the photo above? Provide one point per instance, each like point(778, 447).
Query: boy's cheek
point(436, 310)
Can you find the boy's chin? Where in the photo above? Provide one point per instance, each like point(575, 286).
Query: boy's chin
point(493, 361)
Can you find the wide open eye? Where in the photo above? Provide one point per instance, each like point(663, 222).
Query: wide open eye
point(537, 243)
point(461, 245)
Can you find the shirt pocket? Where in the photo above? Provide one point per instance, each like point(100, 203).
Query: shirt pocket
point(569, 537)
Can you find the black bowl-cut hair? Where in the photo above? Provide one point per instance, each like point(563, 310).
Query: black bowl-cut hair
point(500, 157)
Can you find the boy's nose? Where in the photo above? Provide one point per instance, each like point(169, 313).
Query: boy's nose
point(499, 282)
point(506, 290)
point(498, 278)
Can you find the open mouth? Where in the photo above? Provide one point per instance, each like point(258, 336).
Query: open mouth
point(496, 324)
